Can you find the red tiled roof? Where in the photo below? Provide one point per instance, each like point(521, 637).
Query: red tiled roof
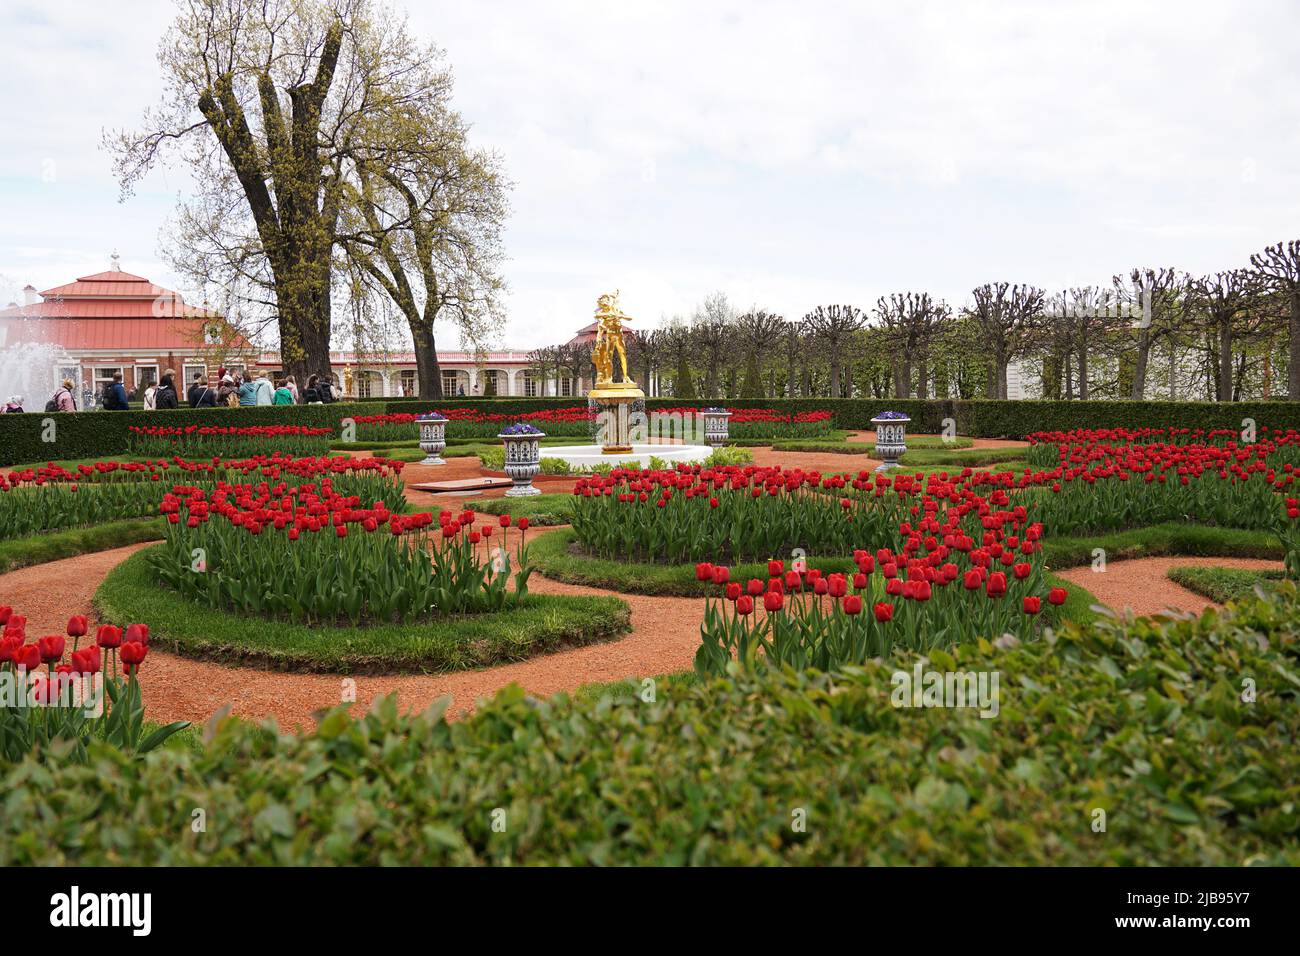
point(109, 284)
point(109, 310)
point(136, 335)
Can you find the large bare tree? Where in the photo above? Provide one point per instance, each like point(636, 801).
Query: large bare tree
point(426, 230)
point(1008, 317)
point(831, 327)
point(1221, 305)
point(712, 328)
point(272, 104)
point(1279, 267)
point(911, 322)
point(1153, 300)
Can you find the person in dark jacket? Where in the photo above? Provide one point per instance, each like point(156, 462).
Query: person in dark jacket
point(166, 394)
point(203, 394)
point(114, 399)
point(326, 389)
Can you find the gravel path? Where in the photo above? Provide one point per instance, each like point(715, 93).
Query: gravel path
point(665, 633)
point(1141, 585)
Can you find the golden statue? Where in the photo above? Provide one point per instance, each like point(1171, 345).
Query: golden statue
point(609, 340)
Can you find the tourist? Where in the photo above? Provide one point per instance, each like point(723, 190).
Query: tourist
point(292, 386)
point(114, 397)
point(62, 400)
point(326, 389)
point(265, 391)
point(203, 393)
point(149, 400)
point(311, 394)
point(248, 392)
point(165, 397)
point(227, 392)
point(15, 404)
point(282, 394)
point(460, 391)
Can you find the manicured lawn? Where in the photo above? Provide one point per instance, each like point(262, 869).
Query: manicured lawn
point(54, 545)
point(1222, 585)
point(544, 622)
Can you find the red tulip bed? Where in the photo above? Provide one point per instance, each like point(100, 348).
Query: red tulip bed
point(575, 421)
point(751, 424)
point(65, 691)
point(311, 554)
point(204, 441)
point(1114, 479)
point(51, 497)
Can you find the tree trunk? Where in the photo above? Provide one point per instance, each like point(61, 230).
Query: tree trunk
point(1140, 366)
point(922, 379)
point(991, 388)
point(1293, 361)
point(1083, 369)
point(905, 376)
point(835, 370)
point(1173, 370)
point(428, 373)
point(1225, 363)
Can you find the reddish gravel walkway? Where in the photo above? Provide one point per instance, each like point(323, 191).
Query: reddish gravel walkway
point(1142, 586)
point(665, 633)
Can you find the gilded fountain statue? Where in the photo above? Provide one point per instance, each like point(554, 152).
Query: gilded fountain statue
point(622, 427)
point(614, 400)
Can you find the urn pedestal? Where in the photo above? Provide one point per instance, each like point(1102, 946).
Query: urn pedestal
point(433, 438)
point(523, 460)
point(891, 439)
point(716, 430)
point(614, 405)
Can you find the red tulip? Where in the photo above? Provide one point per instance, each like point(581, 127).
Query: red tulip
point(504, 521)
point(51, 648)
point(853, 604)
point(859, 580)
point(971, 580)
point(1022, 571)
point(87, 660)
point(77, 625)
point(1032, 604)
point(523, 524)
point(704, 571)
point(132, 654)
point(721, 575)
point(997, 584)
point(1057, 596)
point(884, 612)
point(6, 612)
point(745, 605)
point(821, 587)
point(773, 601)
point(27, 657)
point(136, 634)
point(733, 591)
point(755, 587)
point(774, 568)
point(108, 636)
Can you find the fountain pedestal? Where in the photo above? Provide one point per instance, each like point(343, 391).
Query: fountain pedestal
point(615, 403)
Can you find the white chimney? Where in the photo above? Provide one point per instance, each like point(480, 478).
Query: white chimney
point(30, 295)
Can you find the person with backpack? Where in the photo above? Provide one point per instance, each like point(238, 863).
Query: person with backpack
point(15, 404)
point(248, 392)
point(62, 400)
point(114, 397)
point(311, 394)
point(326, 389)
point(203, 394)
point(165, 397)
point(227, 393)
point(149, 401)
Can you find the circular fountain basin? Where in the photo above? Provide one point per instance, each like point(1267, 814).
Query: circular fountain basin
point(584, 456)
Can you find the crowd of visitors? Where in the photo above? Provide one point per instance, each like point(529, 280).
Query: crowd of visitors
point(225, 389)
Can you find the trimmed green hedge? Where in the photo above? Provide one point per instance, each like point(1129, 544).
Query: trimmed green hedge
point(101, 434)
point(544, 622)
point(1141, 720)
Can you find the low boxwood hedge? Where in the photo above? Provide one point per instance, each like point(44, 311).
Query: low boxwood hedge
point(542, 623)
point(41, 436)
point(1114, 744)
point(99, 434)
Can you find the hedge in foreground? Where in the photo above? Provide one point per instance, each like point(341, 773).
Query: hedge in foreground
point(1144, 721)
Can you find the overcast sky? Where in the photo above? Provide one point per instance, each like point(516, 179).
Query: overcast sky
point(788, 154)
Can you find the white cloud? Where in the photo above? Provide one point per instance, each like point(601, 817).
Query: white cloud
point(787, 153)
